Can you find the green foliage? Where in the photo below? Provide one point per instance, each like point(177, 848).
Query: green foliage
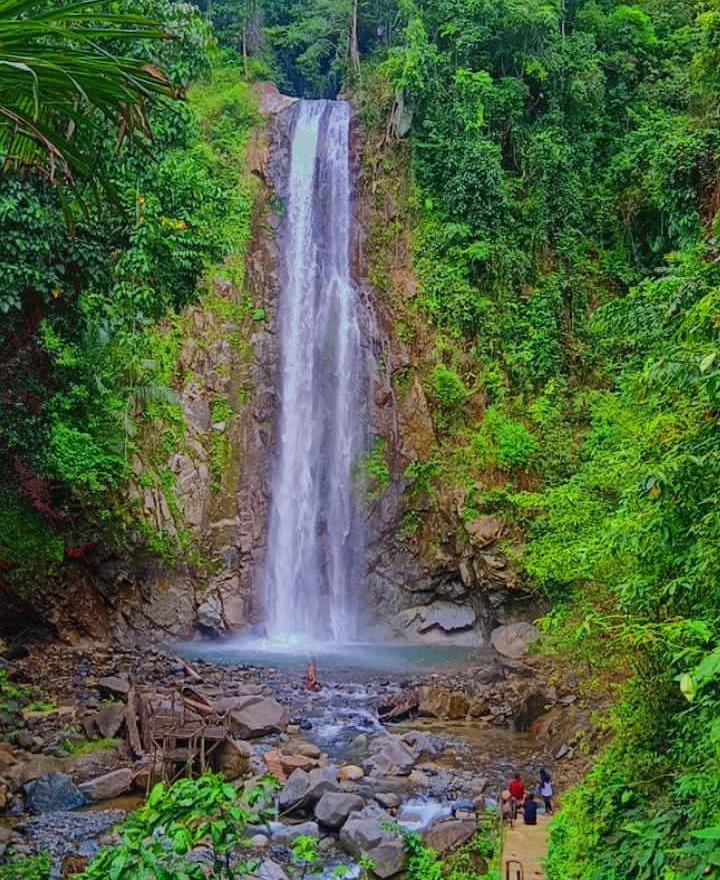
point(27, 868)
point(157, 840)
point(477, 859)
point(13, 697)
point(91, 746)
point(377, 469)
point(108, 275)
point(448, 389)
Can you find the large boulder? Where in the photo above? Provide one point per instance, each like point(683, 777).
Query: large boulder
point(334, 807)
point(514, 640)
point(321, 780)
point(52, 793)
point(269, 870)
point(283, 835)
point(439, 703)
point(446, 616)
point(445, 836)
point(110, 719)
point(391, 757)
point(107, 786)
point(233, 758)
point(259, 719)
point(292, 794)
point(365, 835)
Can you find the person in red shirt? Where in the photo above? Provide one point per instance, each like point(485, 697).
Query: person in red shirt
point(517, 789)
point(517, 793)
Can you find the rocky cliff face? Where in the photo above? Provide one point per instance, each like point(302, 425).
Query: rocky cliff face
point(434, 574)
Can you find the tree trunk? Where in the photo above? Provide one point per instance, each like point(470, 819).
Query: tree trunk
point(354, 49)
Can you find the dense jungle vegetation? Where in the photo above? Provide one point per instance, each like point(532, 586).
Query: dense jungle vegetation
point(563, 199)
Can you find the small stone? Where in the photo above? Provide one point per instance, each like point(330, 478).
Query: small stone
point(351, 773)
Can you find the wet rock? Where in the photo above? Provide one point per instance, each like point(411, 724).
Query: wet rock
point(514, 640)
point(445, 836)
point(108, 786)
point(439, 703)
point(334, 807)
point(233, 758)
point(52, 793)
point(259, 719)
point(363, 836)
point(351, 773)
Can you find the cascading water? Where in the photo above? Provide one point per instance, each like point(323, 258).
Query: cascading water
point(315, 535)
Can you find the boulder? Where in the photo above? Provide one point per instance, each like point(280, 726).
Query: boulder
point(351, 773)
point(233, 758)
point(231, 704)
point(259, 719)
point(321, 780)
point(363, 836)
point(52, 793)
point(447, 616)
point(292, 794)
point(110, 719)
point(270, 870)
point(389, 800)
point(309, 750)
point(294, 762)
point(115, 685)
point(334, 807)
point(283, 835)
point(438, 703)
point(36, 767)
point(391, 757)
point(445, 836)
point(107, 786)
point(209, 614)
point(514, 640)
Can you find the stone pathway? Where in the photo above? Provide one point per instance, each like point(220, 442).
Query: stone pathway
point(526, 844)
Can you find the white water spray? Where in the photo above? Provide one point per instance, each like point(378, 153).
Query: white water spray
point(315, 536)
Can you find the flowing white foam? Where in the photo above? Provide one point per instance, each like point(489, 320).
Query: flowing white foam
point(315, 542)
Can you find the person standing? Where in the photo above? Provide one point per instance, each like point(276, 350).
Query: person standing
point(546, 790)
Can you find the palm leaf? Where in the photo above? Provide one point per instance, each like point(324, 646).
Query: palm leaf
point(61, 74)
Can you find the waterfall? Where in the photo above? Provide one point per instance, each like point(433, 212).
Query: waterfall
point(314, 549)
